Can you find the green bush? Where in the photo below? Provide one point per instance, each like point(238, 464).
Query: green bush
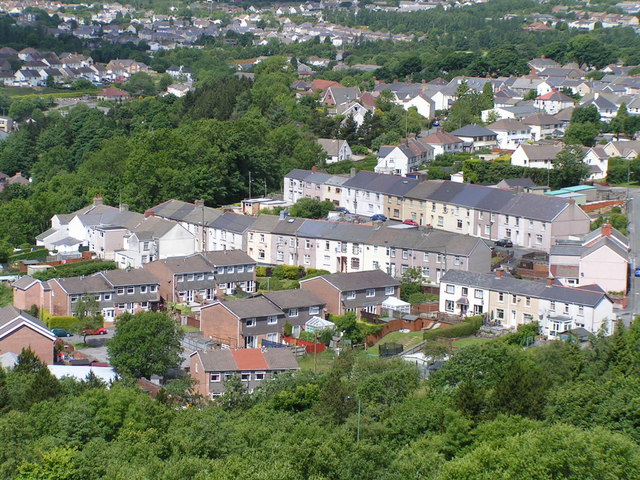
point(68, 323)
point(470, 326)
point(314, 272)
point(287, 272)
point(39, 254)
point(76, 269)
point(261, 272)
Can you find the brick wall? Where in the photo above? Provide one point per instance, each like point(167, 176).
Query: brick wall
point(25, 337)
point(221, 325)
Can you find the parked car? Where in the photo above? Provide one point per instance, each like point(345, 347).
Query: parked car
point(342, 210)
point(411, 222)
point(504, 242)
point(637, 273)
point(378, 217)
point(61, 332)
point(94, 331)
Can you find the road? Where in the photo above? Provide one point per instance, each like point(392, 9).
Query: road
point(633, 216)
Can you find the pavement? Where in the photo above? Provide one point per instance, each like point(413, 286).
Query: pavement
point(633, 215)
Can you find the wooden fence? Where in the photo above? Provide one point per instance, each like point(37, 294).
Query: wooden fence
point(400, 324)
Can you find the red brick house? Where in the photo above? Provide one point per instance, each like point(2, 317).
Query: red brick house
point(20, 330)
point(252, 366)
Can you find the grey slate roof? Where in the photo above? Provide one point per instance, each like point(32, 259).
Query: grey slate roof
point(252, 307)
point(360, 280)
point(295, 298)
point(346, 232)
point(473, 131)
point(508, 284)
point(24, 282)
point(80, 285)
point(9, 315)
point(377, 182)
point(233, 222)
point(228, 257)
point(129, 277)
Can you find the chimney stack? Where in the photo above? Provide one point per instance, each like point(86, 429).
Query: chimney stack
point(606, 230)
point(314, 169)
point(124, 207)
point(198, 203)
point(549, 281)
point(97, 200)
point(499, 273)
point(352, 172)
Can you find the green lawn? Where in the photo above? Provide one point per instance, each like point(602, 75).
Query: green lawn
point(324, 361)
point(189, 328)
point(408, 340)
point(464, 342)
point(6, 295)
point(44, 92)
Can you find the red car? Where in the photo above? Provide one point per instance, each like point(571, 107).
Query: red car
point(411, 222)
point(94, 331)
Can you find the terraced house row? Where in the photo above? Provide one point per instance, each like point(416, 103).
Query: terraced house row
point(340, 247)
point(528, 219)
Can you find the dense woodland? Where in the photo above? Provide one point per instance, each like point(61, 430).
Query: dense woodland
point(495, 411)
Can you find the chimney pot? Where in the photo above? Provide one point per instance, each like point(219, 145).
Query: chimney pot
point(314, 169)
point(606, 230)
point(499, 273)
point(549, 281)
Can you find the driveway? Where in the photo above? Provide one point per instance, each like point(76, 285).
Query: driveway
point(96, 349)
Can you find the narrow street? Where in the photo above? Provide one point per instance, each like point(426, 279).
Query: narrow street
point(633, 215)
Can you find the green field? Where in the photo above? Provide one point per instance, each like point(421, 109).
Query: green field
point(464, 342)
point(324, 361)
point(44, 92)
point(6, 295)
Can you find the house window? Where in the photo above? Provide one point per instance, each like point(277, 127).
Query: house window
point(566, 308)
point(74, 299)
point(538, 239)
point(272, 337)
point(552, 306)
point(307, 244)
point(249, 268)
point(144, 304)
point(375, 264)
point(220, 270)
point(180, 278)
point(514, 299)
point(327, 259)
point(405, 254)
point(440, 258)
point(478, 294)
point(215, 377)
point(272, 319)
point(307, 259)
point(355, 263)
point(480, 215)
point(544, 227)
point(396, 212)
point(530, 224)
point(356, 248)
point(500, 296)
point(230, 269)
point(131, 290)
point(314, 310)
point(459, 223)
point(580, 311)
point(449, 305)
point(259, 376)
point(106, 297)
point(450, 288)
point(261, 238)
point(222, 286)
point(500, 314)
point(426, 272)
point(250, 322)
point(200, 276)
point(440, 220)
point(280, 256)
point(351, 295)
point(465, 291)
point(371, 292)
point(190, 277)
point(293, 312)
point(389, 290)
point(153, 288)
point(457, 261)
point(506, 219)
point(245, 376)
point(143, 289)
point(261, 254)
point(120, 290)
point(145, 246)
point(508, 233)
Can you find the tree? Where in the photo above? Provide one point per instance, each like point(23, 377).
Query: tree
point(145, 344)
point(569, 167)
point(311, 208)
point(581, 133)
point(588, 114)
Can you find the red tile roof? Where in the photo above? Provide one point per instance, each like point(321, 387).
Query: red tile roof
point(249, 359)
point(324, 84)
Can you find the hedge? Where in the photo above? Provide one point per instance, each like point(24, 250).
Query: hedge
point(287, 272)
point(470, 326)
point(68, 323)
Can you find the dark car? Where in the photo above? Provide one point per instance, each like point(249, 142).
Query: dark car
point(637, 272)
point(505, 242)
point(378, 217)
point(94, 331)
point(61, 332)
point(411, 222)
point(342, 210)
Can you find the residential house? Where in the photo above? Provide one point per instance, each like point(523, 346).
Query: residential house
point(476, 137)
point(353, 292)
point(339, 95)
point(242, 323)
point(368, 193)
point(510, 133)
point(19, 330)
point(404, 158)
point(7, 125)
point(511, 302)
point(228, 232)
point(299, 306)
point(251, 366)
point(443, 142)
point(597, 160)
point(553, 102)
point(623, 149)
point(336, 150)
point(535, 156)
point(29, 291)
point(113, 95)
point(543, 125)
point(600, 257)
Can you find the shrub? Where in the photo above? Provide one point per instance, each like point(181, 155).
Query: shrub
point(470, 326)
point(314, 272)
point(68, 323)
point(287, 272)
point(261, 272)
